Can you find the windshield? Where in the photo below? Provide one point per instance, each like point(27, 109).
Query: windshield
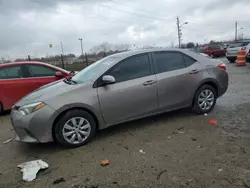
point(95, 70)
point(238, 44)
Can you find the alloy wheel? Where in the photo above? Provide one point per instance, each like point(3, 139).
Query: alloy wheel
point(76, 130)
point(206, 99)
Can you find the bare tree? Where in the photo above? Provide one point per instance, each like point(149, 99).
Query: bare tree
point(105, 47)
point(121, 47)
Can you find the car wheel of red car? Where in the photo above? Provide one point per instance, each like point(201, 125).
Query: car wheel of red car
point(1, 108)
point(212, 55)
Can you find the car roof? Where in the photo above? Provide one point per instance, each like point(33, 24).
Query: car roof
point(22, 63)
point(122, 55)
point(31, 63)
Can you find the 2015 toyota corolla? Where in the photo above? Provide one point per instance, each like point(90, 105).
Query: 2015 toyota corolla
point(116, 89)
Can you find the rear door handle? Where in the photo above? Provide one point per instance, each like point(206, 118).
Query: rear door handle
point(195, 71)
point(149, 82)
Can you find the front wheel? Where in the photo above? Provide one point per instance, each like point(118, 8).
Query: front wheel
point(1, 108)
point(204, 99)
point(75, 128)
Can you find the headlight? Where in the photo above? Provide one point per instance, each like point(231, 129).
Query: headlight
point(28, 109)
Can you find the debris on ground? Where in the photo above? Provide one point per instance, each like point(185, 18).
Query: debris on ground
point(160, 174)
point(189, 181)
point(31, 168)
point(105, 162)
point(60, 180)
point(213, 121)
point(141, 151)
point(193, 139)
point(7, 141)
point(179, 131)
point(205, 114)
point(169, 137)
point(220, 170)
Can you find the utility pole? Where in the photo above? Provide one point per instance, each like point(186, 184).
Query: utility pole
point(179, 31)
point(236, 30)
point(62, 48)
point(80, 39)
point(62, 55)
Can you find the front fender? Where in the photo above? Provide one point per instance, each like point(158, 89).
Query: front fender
point(95, 112)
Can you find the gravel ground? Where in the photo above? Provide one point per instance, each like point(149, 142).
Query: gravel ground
point(179, 149)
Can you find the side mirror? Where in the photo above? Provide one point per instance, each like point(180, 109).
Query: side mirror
point(59, 74)
point(107, 79)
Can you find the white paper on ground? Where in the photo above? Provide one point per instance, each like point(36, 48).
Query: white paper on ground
point(31, 168)
point(7, 141)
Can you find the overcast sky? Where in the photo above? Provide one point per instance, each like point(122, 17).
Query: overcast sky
point(29, 26)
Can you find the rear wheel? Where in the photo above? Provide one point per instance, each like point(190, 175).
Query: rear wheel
point(204, 99)
point(1, 108)
point(75, 128)
point(231, 60)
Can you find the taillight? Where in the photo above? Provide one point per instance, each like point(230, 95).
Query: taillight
point(244, 48)
point(222, 66)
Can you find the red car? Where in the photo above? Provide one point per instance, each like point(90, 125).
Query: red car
point(214, 50)
point(20, 78)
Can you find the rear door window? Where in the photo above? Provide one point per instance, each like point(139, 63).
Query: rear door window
point(168, 61)
point(214, 47)
point(188, 60)
point(40, 71)
point(235, 45)
point(3, 74)
point(11, 72)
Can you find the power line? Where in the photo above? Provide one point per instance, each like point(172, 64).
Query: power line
point(127, 12)
point(125, 5)
point(84, 13)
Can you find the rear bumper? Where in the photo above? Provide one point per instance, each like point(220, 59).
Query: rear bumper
point(223, 83)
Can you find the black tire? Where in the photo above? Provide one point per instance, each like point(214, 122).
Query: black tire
point(231, 60)
point(58, 129)
point(248, 60)
point(195, 107)
point(1, 108)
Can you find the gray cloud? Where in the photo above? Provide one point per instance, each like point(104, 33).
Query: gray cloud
point(29, 26)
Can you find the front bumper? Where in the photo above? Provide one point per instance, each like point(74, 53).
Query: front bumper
point(35, 127)
point(232, 55)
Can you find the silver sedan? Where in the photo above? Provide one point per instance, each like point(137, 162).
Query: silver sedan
point(116, 89)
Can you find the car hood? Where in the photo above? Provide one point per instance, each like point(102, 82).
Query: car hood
point(48, 91)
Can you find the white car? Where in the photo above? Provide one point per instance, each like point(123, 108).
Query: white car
point(234, 48)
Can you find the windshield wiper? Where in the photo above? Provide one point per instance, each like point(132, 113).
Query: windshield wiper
point(69, 81)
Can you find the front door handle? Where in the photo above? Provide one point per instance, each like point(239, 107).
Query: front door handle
point(149, 82)
point(195, 71)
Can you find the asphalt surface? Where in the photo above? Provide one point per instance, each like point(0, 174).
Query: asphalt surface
point(178, 149)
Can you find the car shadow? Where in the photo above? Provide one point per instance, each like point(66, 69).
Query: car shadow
point(5, 113)
point(129, 127)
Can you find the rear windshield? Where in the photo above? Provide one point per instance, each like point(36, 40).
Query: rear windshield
point(214, 47)
point(239, 44)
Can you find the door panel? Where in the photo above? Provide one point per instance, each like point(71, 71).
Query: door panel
point(41, 74)
point(175, 88)
point(128, 100)
point(14, 86)
point(133, 95)
point(177, 77)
